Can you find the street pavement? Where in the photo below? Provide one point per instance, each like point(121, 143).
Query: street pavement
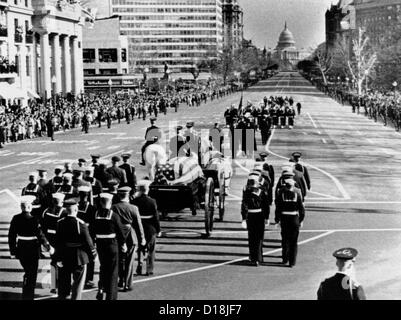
point(354, 201)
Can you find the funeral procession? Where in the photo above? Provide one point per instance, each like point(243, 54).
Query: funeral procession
point(195, 150)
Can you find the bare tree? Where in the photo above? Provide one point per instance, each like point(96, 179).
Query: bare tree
point(324, 61)
point(362, 60)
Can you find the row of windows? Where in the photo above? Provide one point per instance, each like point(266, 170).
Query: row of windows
point(169, 17)
point(166, 10)
point(168, 25)
point(172, 40)
point(92, 72)
point(105, 55)
point(162, 62)
point(181, 55)
point(174, 48)
point(167, 2)
point(170, 32)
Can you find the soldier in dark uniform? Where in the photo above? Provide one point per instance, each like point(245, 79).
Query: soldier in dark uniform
point(264, 128)
point(67, 167)
point(66, 188)
point(78, 181)
point(290, 113)
point(108, 119)
point(25, 238)
point(85, 123)
point(33, 189)
point(151, 225)
point(109, 238)
point(263, 156)
point(95, 165)
point(342, 286)
point(290, 213)
point(152, 135)
point(74, 250)
point(296, 156)
point(176, 143)
point(97, 187)
point(129, 171)
point(299, 107)
point(81, 163)
point(133, 234)
point(117, 173)
point(49, 221)
point(127, 115)
point(86, 212)
point(255, 215)
point(56, 182)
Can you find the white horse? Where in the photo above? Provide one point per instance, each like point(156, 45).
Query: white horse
point(154, 155)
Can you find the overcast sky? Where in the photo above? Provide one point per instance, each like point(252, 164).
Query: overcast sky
point(264, 20)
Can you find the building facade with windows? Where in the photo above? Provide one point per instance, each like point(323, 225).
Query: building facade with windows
point(233, 24)
point(40, 48)
point(380, 18)
point(105, 55)
point(170, 35)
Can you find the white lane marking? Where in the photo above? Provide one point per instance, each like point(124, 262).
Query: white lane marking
point(23, 162)
point(206, 267)
point(93, 148)
point(313, 122)
point(339, 186)
point(277, 230)
point(6, 153)
point(323, 195)
point(11, 194)
point(112, 147)
point(113, 154)
point(354, 202)
point(324, 141)
point(232, 197)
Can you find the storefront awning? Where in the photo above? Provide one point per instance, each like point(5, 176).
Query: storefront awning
point(9, 91)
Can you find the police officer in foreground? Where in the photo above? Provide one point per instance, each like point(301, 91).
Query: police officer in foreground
point(255, 212)
point(109, 238)
point(25, 238)
point(290, 213)
point(151, 225)
point(133, 234)
point(342, 286)
point(74, 250)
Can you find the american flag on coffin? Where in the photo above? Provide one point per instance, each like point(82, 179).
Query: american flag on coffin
point(164, 173)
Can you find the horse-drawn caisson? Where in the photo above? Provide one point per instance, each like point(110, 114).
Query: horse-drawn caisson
point(189, 180)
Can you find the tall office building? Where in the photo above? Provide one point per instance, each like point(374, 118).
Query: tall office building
point(233, 24)
point(171, 35)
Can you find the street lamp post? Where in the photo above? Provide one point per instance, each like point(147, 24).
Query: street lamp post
point(145, 75)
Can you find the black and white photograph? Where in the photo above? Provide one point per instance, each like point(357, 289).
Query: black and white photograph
point(200, 154)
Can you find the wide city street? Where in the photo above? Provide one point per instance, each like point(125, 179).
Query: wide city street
point(354, 164)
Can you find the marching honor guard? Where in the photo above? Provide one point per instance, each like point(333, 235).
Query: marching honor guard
point(342, 286)
point(56, 182)
point(34, 189)
point(290, 213)
point(66, 188)
point(151, 225)
point(109, 238)
point(255, 215)
point(296, 156)
point(74, 250)
point(86, 212)
point(117, 173)
point(129, 171)
point(25, 238)
point(96, 185)
point(50, 218)
point(133, 234)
